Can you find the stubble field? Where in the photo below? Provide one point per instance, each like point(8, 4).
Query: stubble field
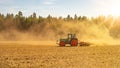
point(53, 56)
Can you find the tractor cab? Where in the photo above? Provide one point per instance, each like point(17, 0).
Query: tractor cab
point(70, 36)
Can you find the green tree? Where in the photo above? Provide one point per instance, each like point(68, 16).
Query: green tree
point(1, 21)
point(20, 21)
point(34, 18)
point(84, 18)
point(49, 19)
point(40, 19)
point(20, 14)
point(68, 18)
point(75, 17)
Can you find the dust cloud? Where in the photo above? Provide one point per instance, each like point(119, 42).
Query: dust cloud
point(96, 33)
point(102, 33)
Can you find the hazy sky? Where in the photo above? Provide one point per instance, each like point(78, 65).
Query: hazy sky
point(61, 7)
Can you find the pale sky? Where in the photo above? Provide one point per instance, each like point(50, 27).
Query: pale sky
point(90, 8)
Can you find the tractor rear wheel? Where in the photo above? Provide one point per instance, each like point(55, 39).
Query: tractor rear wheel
point(74, 42)
point(62, 43)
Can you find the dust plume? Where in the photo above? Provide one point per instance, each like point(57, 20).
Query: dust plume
point(97, 31)
point(105, 32)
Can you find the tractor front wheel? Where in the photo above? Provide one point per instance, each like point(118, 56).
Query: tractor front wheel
point(62, 43)
point(74, 42)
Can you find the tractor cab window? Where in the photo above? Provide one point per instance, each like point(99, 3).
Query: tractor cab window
point(69, 36)
point(73, 36)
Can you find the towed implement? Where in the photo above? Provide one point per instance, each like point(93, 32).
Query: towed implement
point(72, 40)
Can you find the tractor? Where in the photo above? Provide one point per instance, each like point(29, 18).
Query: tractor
point(71, 39)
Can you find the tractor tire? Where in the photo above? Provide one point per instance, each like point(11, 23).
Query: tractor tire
point(74, 42)
point(62, 43)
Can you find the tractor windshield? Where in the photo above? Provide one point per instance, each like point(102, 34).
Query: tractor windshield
point(69, 36)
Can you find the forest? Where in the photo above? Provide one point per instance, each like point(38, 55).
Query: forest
point(34, 27)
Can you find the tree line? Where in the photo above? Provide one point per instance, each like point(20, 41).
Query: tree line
point(21, 22)
point(41, 24)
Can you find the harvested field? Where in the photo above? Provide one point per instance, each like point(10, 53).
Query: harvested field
point(53, 56)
